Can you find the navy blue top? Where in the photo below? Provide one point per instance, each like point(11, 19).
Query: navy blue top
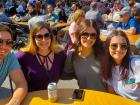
point(4, 18)
point(36, 75)
point(131, 23)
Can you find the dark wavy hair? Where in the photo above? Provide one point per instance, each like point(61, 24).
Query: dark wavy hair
point(98, 45)
point(4, 27)
point(108, 62)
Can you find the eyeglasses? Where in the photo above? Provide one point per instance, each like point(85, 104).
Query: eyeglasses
point(40, 37)
point(85, 35)
point(9, 43)
point(122, 46)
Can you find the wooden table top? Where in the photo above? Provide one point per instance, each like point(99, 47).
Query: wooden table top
point(22, 23)
point(132, 38)
point(58, 24)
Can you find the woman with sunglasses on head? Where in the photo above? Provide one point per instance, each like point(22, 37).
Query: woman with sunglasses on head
point(121, 71)
point(9, 66)
point(42, 60)
point(83, 63)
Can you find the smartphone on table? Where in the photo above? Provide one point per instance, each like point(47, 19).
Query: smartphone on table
point(78, 94)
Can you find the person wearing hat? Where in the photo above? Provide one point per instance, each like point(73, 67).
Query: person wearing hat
point(127, 23)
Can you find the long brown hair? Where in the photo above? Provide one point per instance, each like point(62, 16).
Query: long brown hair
point(108, 62)
point(98, 45)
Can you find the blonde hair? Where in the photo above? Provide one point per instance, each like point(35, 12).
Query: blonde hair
point(32, 47)
point(77, 15)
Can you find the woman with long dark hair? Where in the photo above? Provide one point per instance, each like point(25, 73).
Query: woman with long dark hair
point(120, 70)
point(83, 63)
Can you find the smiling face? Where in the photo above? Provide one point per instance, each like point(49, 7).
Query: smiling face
point(43, 39)
point(5, 38)
point(118, 48)
point(88, 37)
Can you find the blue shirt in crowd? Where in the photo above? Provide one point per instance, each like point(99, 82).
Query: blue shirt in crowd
point(131, 23)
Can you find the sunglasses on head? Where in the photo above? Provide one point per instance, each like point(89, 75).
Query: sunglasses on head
point(122, 46)
point(9, 43)
point(86, 35)
point(40, 37)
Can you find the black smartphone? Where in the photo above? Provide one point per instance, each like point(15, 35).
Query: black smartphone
point(78, 94)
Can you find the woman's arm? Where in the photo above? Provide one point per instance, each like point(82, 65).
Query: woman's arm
point(21, 87)
point(68, 72)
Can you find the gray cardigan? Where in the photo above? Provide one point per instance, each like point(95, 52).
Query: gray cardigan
point(85, 70)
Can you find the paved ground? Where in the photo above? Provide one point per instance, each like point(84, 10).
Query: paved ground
point(5, 89)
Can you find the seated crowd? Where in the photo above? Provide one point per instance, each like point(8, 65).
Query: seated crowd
point(107, 66)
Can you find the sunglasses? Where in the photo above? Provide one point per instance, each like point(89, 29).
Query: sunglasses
point(9, 43)
point(85, 35)
point(40, 37)
point(122, 46)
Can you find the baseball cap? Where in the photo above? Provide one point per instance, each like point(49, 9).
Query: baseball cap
point(125, 10)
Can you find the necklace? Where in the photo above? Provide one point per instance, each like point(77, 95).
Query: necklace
point(45, 61)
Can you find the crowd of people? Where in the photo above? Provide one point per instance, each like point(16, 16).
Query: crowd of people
point(107, 66)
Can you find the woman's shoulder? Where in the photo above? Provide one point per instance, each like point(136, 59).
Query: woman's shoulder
point(11, 55)
point(135, 63)
point(21, 54)
point(134, 58)
point(61, 54)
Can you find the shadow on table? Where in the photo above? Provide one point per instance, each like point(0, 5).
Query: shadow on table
point(65, 97)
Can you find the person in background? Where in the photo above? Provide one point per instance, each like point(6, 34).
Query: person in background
point(127, 23)
point(9, 66)
point(42, 60)
point(83, 63)
point(9, 7)
point(30, 8)
point(135, 12)
point(62, 16)
point(3, 17)
point(38, 7)
point(75, 6)
point(67, 9)
point(131, 3)
point(21, 8)
point(34, 18)
point(137, 44)
point(115, 12)
point(50, 16)
point(78, 17)
point(94, 14)
point(120, 70)
point(58, 8)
